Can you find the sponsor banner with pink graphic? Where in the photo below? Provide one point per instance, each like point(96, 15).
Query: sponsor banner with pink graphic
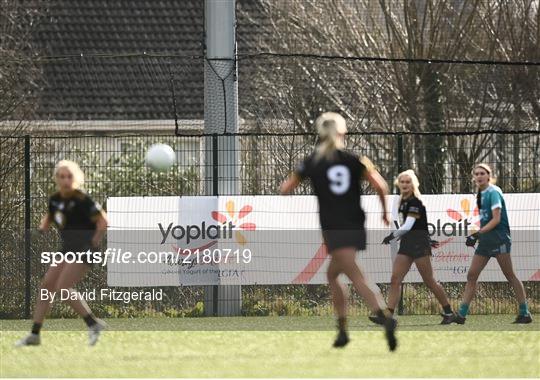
point(276, 240)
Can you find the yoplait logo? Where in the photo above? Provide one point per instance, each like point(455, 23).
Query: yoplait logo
point(226, 228)
point(236, 218)
point(466, 221)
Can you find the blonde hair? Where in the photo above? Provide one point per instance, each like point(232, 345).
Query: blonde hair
point(487, 168)
point(330, 126)
point(414, 179)
point(74, 169)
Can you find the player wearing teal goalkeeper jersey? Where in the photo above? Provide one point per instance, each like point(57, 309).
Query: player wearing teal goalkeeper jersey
point(494, 241)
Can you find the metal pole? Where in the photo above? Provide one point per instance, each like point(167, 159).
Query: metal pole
point(515, 165)
point(400, 168)
point(27, 236)
point(221, 115)
point(215, 191)
point(215, 165)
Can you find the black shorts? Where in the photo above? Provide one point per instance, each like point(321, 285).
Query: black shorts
point(492, 249)
point(335, 239)
point(415, 250)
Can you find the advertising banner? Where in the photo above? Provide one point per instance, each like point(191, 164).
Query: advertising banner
point(241, 240)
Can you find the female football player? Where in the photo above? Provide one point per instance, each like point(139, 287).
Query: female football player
point(335, 175)
point(415, 245)
point(494, 241)
point(82, 224)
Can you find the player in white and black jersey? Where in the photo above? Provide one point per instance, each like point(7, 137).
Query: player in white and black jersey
point(335, 175)
point(82, 224)
point(415, 246)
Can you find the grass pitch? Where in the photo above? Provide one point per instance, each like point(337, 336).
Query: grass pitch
point(487, 346)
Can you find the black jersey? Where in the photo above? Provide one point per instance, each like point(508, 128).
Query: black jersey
point(415, 208)
point(75, 217)
point(336, 184)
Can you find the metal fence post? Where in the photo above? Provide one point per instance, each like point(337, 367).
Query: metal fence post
point(516, 185)
point(400, 168)
point(215, 192)
point(27, 235)
point(399, 152)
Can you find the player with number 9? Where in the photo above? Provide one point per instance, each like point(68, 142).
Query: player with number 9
point(335, 175)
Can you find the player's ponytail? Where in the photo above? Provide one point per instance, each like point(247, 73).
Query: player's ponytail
point(331, 127)
point(74, 169)
point(414, 180)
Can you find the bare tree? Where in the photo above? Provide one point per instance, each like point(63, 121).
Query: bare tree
point(395, 96)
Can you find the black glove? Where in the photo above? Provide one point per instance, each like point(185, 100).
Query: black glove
point(434, 243)
point(388, 239)
point(471, 240)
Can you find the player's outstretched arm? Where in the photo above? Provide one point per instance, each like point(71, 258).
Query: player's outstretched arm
point(289, 184)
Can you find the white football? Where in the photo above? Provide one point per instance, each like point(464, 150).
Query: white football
point(160, 157)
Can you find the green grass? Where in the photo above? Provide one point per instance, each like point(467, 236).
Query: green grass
point(269, 347)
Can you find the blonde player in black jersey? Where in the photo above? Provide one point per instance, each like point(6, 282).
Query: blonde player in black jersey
point(415, 246)
point(82, 224)
point(335, 175)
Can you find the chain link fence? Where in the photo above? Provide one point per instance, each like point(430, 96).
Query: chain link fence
point(114, 166)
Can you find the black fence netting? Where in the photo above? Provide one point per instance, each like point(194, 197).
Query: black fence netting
point(432, 86)
point(114, 166)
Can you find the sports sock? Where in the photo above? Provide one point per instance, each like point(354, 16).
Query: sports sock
point(342, 324)
point(90, 320)
point(463, 309)
point(36, 328)
point(523, 309)
point(447, 309)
